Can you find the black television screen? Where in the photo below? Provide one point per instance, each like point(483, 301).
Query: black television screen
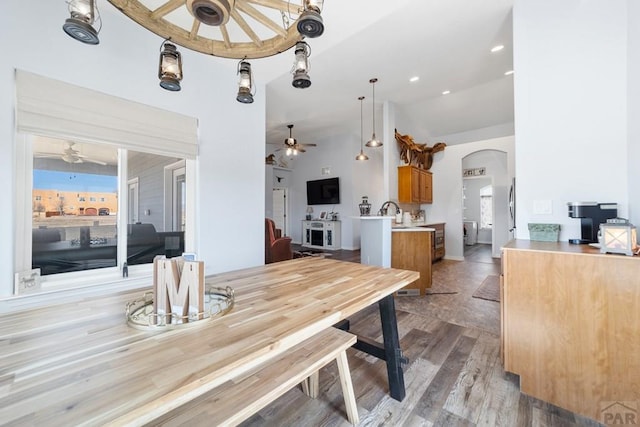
point(323, 192)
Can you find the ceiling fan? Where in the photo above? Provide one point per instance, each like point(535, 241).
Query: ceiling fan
point(69, 155)
point(292, 146)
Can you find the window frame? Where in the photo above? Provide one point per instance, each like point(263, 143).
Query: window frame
point(488, 195)
point(138, 275)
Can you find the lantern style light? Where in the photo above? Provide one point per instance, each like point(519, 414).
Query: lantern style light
point(245, 85)
point(300, 69)
point(84, 14)
point(310, 22)
point(618, 236)
point(170, 68)
point(374, 142)
point(361, 156)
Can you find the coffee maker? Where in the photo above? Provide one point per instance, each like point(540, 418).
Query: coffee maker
point(591, 215)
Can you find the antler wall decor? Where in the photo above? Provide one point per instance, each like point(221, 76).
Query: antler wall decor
point(419, 154)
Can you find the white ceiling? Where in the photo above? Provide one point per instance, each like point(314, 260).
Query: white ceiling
point(446, 43)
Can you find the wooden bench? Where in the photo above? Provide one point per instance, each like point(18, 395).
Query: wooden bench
point(238, 399)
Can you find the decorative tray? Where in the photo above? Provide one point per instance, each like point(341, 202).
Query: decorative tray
point(217, 302)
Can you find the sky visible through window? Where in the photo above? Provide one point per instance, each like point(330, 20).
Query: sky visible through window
point(72, 181)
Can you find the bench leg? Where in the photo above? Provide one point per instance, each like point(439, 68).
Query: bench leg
point(311, 385)
point(347, 388)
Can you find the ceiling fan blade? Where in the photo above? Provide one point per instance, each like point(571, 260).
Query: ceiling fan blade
point(97, 162)
point(47, 155)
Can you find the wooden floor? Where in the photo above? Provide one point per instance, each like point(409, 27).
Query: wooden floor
point(454, 376)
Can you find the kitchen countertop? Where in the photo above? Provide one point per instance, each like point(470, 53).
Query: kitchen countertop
point(411, 228)
point(415, 226)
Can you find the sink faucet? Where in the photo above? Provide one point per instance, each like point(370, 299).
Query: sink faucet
point(385, 206)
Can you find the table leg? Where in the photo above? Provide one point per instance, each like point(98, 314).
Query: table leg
point(393, 353)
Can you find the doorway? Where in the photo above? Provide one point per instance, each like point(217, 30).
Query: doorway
point(280, 201)
point(485, 201)
point(478, 206)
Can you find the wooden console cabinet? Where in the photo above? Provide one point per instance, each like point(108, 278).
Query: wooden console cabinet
point(571, 324)
point(415, 185)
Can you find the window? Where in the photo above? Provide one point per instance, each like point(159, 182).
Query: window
point(67, 239)
point(486, 207)
point(89, 245)
point(38, 198)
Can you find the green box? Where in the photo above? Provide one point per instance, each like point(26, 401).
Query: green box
point(544, 232)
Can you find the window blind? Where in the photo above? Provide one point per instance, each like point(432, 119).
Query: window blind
point(57, 109)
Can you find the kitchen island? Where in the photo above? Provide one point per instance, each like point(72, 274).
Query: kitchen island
point(411, 250)
point(407, 246)
point(570, 325)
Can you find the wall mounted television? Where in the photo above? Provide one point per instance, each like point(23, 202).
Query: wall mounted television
point(323, 191)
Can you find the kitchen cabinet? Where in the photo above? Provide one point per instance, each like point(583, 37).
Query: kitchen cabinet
point(411, 250)
point(415, 185)
point(570, 323)
point(437, 242)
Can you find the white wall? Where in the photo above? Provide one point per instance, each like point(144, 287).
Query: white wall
point(633, 105)
point(570, 62)
point(447, 188)
point(230, 176)
point(357, 179)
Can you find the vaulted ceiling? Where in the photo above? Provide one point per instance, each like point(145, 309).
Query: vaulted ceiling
point(447, 44)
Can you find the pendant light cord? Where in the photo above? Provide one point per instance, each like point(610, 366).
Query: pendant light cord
point(373, 104)
point(361, 126)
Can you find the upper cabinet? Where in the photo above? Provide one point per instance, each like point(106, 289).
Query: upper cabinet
point(415, 185)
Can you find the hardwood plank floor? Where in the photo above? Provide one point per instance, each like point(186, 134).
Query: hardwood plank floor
point(454, 376)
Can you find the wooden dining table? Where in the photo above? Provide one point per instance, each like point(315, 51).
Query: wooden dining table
point(80, 363)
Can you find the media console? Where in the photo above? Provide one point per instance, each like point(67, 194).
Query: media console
point(321, 234)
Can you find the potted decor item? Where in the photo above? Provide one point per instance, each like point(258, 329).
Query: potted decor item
point(365, 207)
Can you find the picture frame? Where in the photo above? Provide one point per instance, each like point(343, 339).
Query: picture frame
point(323, 215)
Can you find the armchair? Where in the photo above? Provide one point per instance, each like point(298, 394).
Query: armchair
point(275, 249)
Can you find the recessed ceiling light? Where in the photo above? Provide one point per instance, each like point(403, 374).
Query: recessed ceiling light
point(414, 79)
point(508, 73)
point(446, 92)
point(497, 48)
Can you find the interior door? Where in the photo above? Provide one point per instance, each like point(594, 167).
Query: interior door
point(132, 201)
point(179, 195)
point(280, 208)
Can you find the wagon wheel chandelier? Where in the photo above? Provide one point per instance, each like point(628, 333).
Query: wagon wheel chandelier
point(235, 29)
point(240, 29)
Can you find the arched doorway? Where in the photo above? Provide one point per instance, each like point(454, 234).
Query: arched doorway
point(485, 202)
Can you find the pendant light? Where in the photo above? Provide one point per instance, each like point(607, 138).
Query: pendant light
point(245, 85)
point(373, 142)
point(300, 69)
point(170, 67)
point(84, 13)
point(361, 156)
point(310, 22)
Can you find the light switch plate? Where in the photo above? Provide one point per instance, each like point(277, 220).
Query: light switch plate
point(542, 207)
